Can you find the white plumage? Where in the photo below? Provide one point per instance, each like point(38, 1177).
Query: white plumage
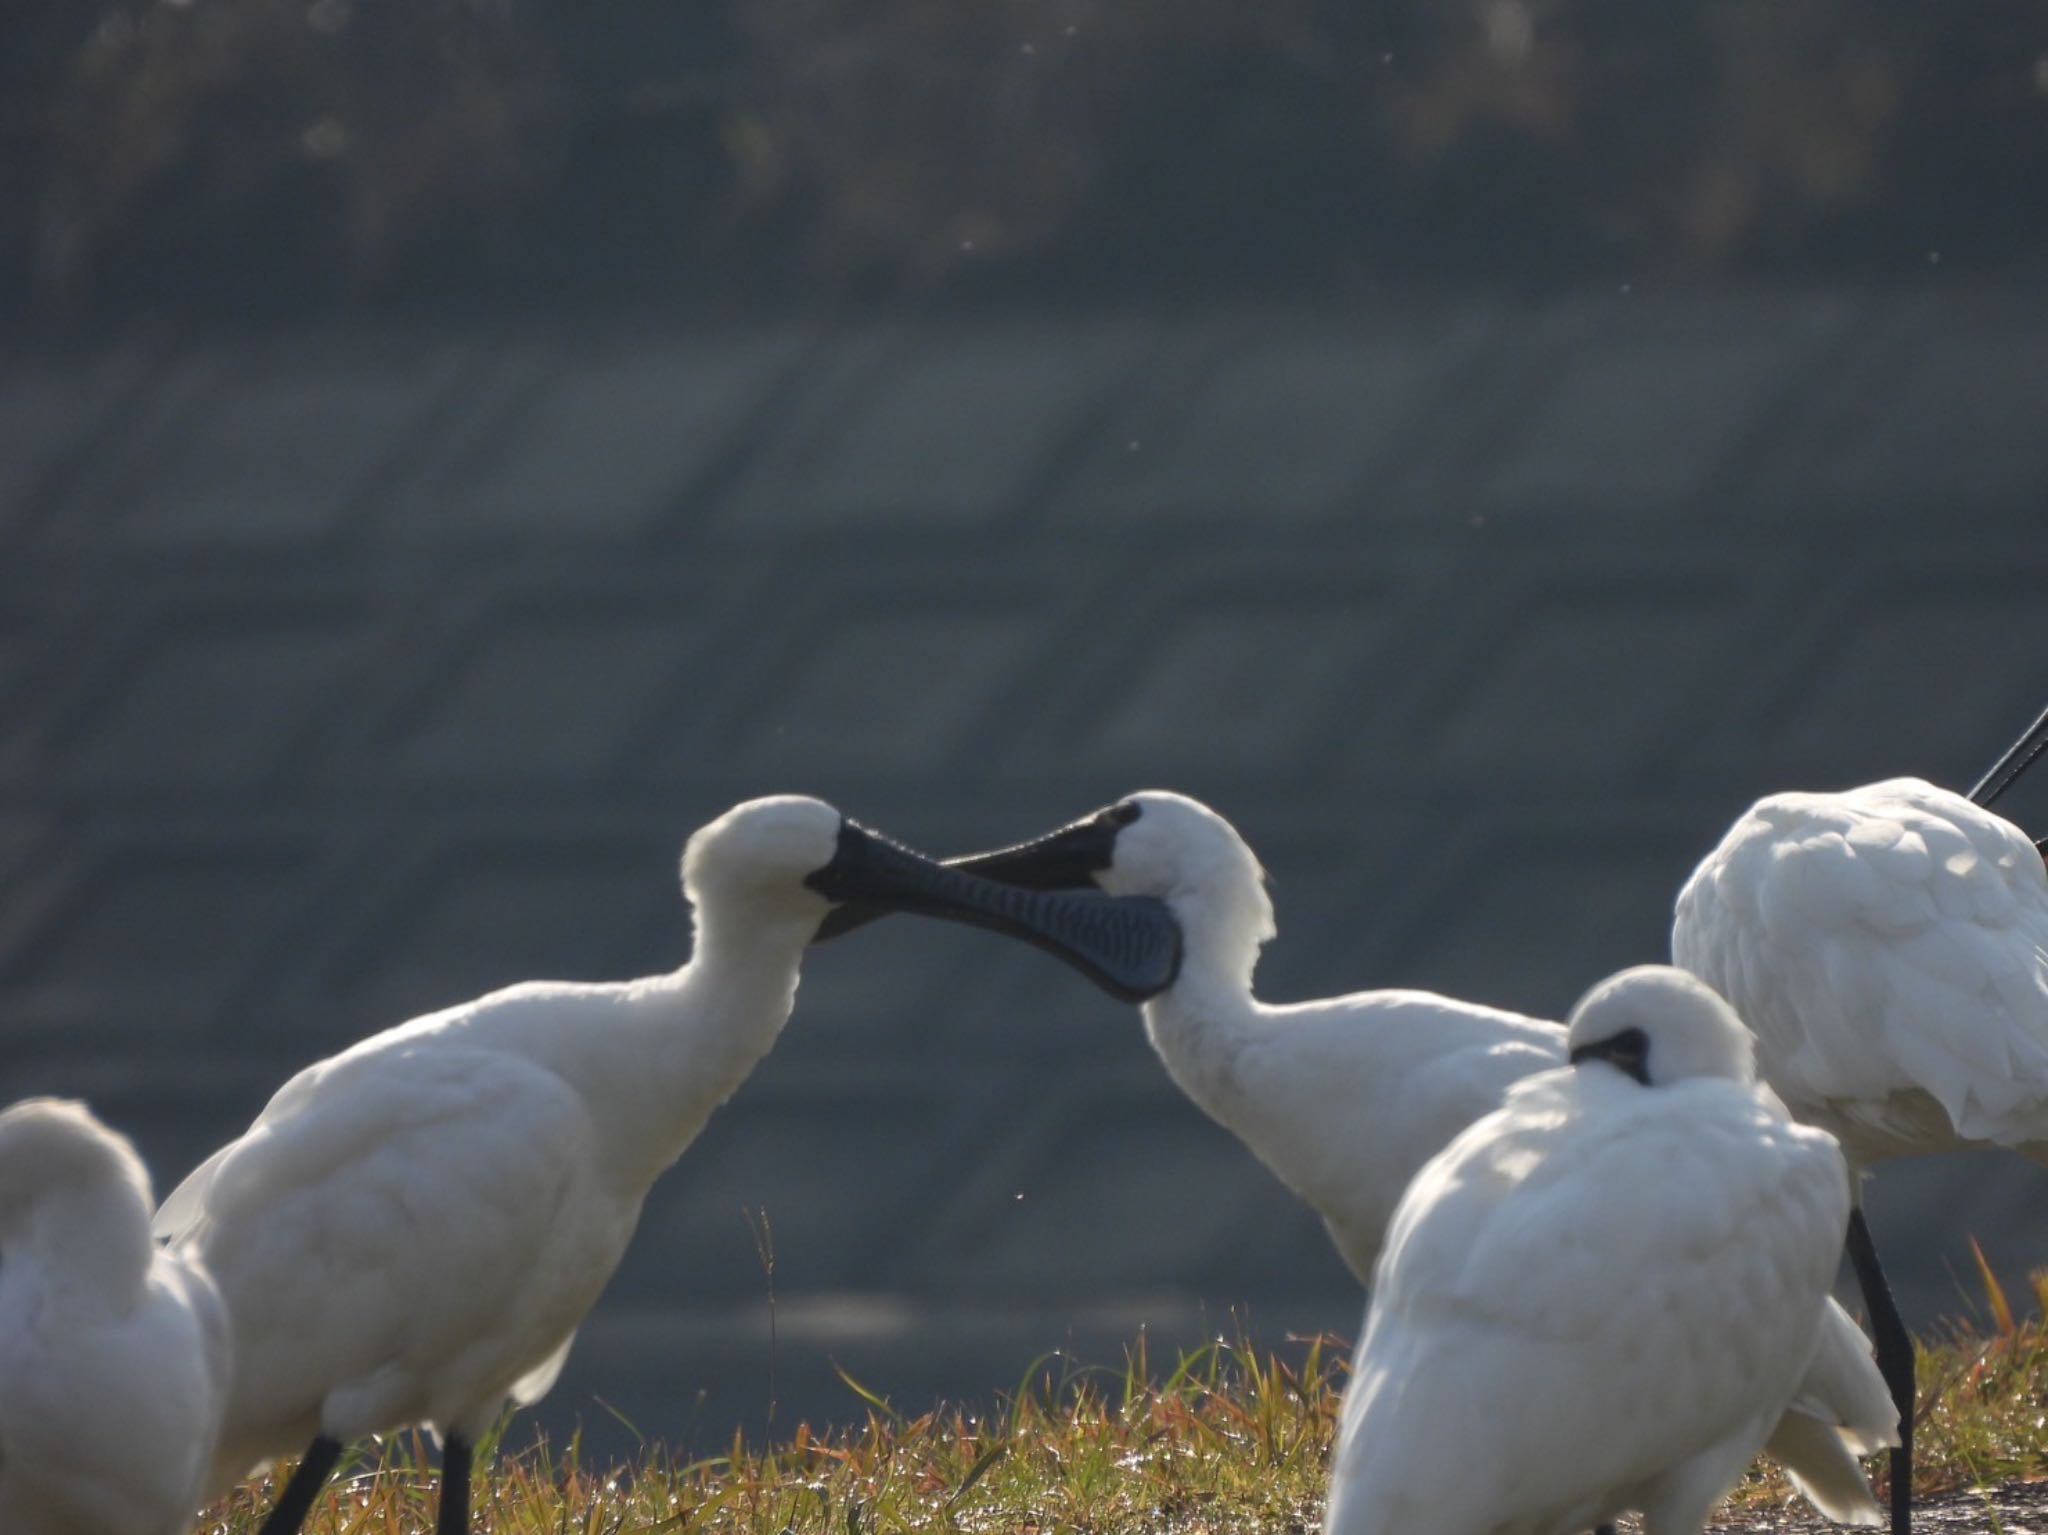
point(411, 1231)
point(1600, 1297)
point(1346, 1098)
point(1889, 946)
point(114, 1357)
point(1343, 1098)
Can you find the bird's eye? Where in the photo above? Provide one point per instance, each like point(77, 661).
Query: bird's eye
point(1123, 813)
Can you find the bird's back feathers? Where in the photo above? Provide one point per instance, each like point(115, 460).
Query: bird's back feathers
point(1889, 946)
point(1586, 1290)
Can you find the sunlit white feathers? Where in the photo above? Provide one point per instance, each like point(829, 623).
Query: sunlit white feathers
point(1692, 1031)
point(1187, 855)
point(114, 1357)
point(1889, 945)
point(412, 1230)
point(1345, 1098)
point(1600, 1297)
point(761, 851)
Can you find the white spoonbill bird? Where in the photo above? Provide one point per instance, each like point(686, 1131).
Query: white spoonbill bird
point(1342, 1098)
point(1345, 1098)
point(114, 1357)
point(1889, 946)
point(1600, 1297)
point(412, 1230)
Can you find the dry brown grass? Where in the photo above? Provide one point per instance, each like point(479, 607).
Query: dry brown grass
point(1231, 1441)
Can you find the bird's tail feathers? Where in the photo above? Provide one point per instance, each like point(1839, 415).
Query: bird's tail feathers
point(1842, 1410)
point(1843, 1388)
point(1820, 1459)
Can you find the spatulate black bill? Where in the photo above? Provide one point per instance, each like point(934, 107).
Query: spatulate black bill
point(1130, 946)
point(1066, 859)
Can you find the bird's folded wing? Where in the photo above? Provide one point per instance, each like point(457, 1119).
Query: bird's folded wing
point(1891, 939)
point(1638, 1273)
point(426, 1211)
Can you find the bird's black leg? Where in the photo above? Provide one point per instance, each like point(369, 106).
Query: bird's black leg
point(296, 1501)
point(454, 1516)
point(2017, 759)
point(1603, 1529)
point(1894, 1361)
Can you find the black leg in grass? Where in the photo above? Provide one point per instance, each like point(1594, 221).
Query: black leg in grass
point(454, 1515)
point(1888, 1328)
point(296, 1501)
point(1894, 1342)
point(1894, 1361)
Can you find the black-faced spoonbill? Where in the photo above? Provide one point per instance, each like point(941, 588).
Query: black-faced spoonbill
point(1600, 1297)
point(412, 1230)
point(1889, 945)
point(114, 1357)
point(1345, 1098)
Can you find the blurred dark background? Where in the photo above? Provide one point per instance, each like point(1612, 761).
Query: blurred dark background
point(450, 450)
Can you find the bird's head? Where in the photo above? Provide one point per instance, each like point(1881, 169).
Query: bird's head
point(797, 858)
point(760, 853)
point(1660, 1025)
point(1176, 848)
point(59, 1163)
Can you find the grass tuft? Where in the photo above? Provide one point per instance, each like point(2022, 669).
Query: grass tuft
point(1983, 1418)
point(1231, 1441)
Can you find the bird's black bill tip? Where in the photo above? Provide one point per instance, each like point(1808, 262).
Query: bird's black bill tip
point(1066, 859)
point(1128, 946)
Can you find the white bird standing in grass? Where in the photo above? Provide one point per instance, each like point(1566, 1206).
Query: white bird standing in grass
point(1600, 1297)
point(114, 1357)
point(1345, 1098)
point(412, 1231)
point(1889, 945)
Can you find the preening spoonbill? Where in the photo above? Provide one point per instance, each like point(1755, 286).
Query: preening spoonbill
point(412, 1230)
point(114, 1357)
point(1345, 1098)
point(1889, 946)
point(1600, 1297)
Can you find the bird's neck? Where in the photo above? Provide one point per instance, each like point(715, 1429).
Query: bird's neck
point(1202, 1023)
point(99, 1248)
point(1200, 1026)
point(698, 1032)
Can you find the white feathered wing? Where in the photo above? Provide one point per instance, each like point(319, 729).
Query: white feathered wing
point(1597, 1298)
